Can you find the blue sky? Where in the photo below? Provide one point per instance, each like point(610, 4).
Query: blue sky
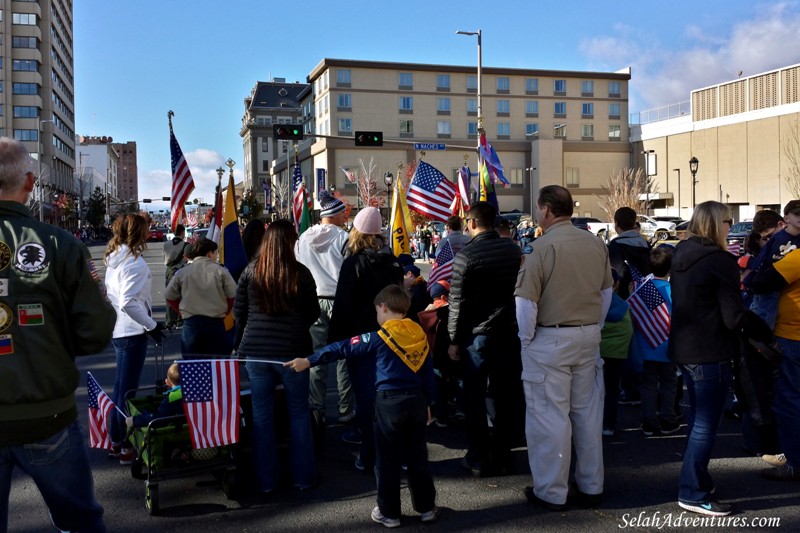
point(134, 61)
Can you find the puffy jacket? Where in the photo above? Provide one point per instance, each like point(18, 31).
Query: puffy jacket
point(322, 248)
point(128, 285)
point(482, 291)
point(280, 337)
point(53, 309)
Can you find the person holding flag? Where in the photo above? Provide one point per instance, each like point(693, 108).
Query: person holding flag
point(54, 310)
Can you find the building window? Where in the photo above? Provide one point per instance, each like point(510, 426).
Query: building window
point(406, 104)
point(560, 109)
point(344, 102)
point(443, 106)
point(345, 126)
point(587, 88)
point(405, 80)
point(343, 77)
point(406, 128)
point(26, 111)
point(443, 82)
point(587, 110)
point(613, 110)
point(515, 177)
point(443, 129)
point(587, 132)
point(531, 108)
point(25, 19)
point(560, 131)
point(573, 177)
point(472, 129)
point(472, 83)
point(24, 42)
point(265, 166)
point(613, 89)
point(503, 85)
point(26, 135)
point(27, 65)
point(559, 87)
point(614, 131)
point(531, 86)
point(26, 88)
point(472, 107)
point(503, 130)
point(532, 130)
point(503, 108)
point(265, 144)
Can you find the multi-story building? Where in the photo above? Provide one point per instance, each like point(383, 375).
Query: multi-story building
point(128, 172)
point(99, 164)
point(36, 96)
point(548, 126)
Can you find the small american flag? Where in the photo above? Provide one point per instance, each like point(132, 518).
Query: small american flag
point(182, 182)
point(351, 177)
point(299, 195)
point(100, 408)
point(735, 248)
point(443, 265)
point(211, 401)
point(431, 193)
point(649, 310)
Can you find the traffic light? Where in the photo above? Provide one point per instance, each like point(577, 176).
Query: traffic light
point(287, 132)
point(369, 138)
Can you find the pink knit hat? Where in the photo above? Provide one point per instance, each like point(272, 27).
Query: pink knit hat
point(368, 221)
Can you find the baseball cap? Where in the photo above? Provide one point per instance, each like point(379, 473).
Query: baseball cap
point(792, 207)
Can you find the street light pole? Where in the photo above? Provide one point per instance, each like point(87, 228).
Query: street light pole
point(693, 164)
point(480, 68)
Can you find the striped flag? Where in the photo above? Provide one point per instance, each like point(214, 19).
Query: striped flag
point(211, 401)
point(298, 200)
point(182, 182)
point(216, 222)
point(489, 157)
point(100, 409)
point(649, 310)
point(443, 265)
point(430, 193)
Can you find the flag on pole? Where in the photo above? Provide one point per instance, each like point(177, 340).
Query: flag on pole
point(182, 182)
point(211, 401)
point(431, 193)
point(487, 193)
point(649, 311)
point(443, 265)
point(489, 157)
point(231, 247)
point(305, 213)
point(299, 198)
point(216, 222)
point(100, 409)
point(400, 222)
point(351, 177)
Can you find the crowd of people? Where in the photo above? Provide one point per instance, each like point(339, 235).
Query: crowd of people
point(527, 341)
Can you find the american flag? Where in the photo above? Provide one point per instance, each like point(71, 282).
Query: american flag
point(649, 310)
point(735, 248)
point(100, 409)
point(182, 182)
point(211, 401)
point(299, 195)
point(351, 177)
point(443, 265)
point(431, 193)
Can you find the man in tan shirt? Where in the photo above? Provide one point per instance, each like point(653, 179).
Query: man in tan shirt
point(563, 293)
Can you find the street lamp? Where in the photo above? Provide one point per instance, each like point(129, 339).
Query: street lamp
point(650, 170)
point(480, 67)
point(693, 164)
point(387, 179)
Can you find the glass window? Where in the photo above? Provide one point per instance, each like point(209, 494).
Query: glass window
point(443, 105)
point(443, 82)
point(26, 88)
point(405, 79)
point(472, 105)
point(26, 111)
point(587, 109)
point(587, 88)
point(503, 84)
point(613, 88)
point(26, 135)
point(587, 131)
point(344, 101)
point(531, 107)
point(559, 131)
point(23, 42)
point(472, 129)
point(406, 126)
point(472, 83)
point(532, 85)
point(531, 130)
point(613, 110)
point(614, 132)
point(573, 176)
point(26, 19)
point(29, 65)
point(443, 127)
point(504, 107)
point(504, 129)
point(342, 76)
point(345, 125)
point(406, 103)
point(560, 108)
point(560, 86)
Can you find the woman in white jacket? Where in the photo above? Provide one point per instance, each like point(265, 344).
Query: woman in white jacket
point(128, 285)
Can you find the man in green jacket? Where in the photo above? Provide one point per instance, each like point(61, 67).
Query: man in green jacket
point(51, 310)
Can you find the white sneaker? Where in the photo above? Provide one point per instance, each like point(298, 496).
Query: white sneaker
point(379, 518)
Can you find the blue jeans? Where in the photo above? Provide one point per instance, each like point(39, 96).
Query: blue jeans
point(707, 385)
point(787, 401)
point(131, 352)
point(362, 379)
point(204, 335)
point(263, 379)
point(59, 465)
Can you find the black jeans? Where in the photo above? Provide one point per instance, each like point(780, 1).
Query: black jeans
point(612, 375)
point(399, 424)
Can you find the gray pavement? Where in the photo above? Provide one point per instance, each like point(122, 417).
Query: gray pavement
point(641, 482)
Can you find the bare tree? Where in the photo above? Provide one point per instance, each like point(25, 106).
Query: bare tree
point(791, 149)
point(624, 189)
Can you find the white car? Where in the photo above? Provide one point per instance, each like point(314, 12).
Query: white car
point(662, 230)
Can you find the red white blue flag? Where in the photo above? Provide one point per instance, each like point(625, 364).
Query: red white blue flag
point(649, 310)
point(443, 265)
point(211, 401)
point(298, 200)
point(100, 409)
point(182, 182)
point(431, 193)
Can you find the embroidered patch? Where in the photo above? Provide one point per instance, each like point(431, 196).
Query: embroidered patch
point(355, 340)
point(93, 271)
point(3, 287)
point(30, 315)
point(365, 337)
point(6, 317)
point(5, 255)
point(31, 258)
point(6, 346)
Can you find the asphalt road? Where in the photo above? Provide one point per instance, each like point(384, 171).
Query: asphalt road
point(641, 482)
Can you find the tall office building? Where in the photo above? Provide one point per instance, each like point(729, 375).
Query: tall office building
point(37, 103)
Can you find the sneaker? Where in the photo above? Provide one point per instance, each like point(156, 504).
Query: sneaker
point(608, 432)
point(429, 516)
point(710, 508)
point(668, 428)
point(359, 465)
point(781, 473)
point(385, 521)
point(126, 456)
point(775, 460)
point(113, 453)
point(347, 417)
point(352, 436)
point(648, 428)
point(535, 500)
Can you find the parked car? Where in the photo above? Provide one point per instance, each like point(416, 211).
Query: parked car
point(737, 235)
point(604, 230)
point(665, 218)
point(661, 230)
point(192, 234)
point(157, 234)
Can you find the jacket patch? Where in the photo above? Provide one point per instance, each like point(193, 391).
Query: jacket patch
point(30, 315)
point(3, 287)
point(6, 317)
point(31, 258)
point(355, 340)
point(5, 255)
point(6, 346)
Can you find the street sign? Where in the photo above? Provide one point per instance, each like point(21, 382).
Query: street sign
point(429, 146)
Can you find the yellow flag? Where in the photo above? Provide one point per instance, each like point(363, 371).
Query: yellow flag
point(400, 222)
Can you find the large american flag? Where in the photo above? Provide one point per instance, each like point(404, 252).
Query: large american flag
point(100, 409)
point(211, 401)
point(649, 310)
point(182, 182)
point(299, 194)
point(443, 265)
point(431, 193)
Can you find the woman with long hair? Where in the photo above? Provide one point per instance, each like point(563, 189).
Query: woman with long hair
point(128, 286)
point(276, 304)
point(707, 317)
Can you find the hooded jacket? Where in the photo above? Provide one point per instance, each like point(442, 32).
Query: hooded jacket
point(322, 248)
point(128, 285)
point(707, 307)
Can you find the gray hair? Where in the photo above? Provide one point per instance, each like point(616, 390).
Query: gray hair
point(15, 164)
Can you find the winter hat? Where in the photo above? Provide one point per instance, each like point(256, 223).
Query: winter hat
point(413, 269)
point(329, 205)
point(440, 288)
point(368, 221)
point(405, 259)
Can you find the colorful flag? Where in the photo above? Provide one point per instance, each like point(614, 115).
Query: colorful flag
point(100, 409)
point(489, 156)
point(735, 248)
point(216, 223)
point(351, 177)
point(211, 401)
point(182, 182)
point(487, 193)
point(431, 193)
point(443, 265)
point(649, 310)
point(231, 247)
point(400, 224)
point(305, 213)
point(299, 188)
